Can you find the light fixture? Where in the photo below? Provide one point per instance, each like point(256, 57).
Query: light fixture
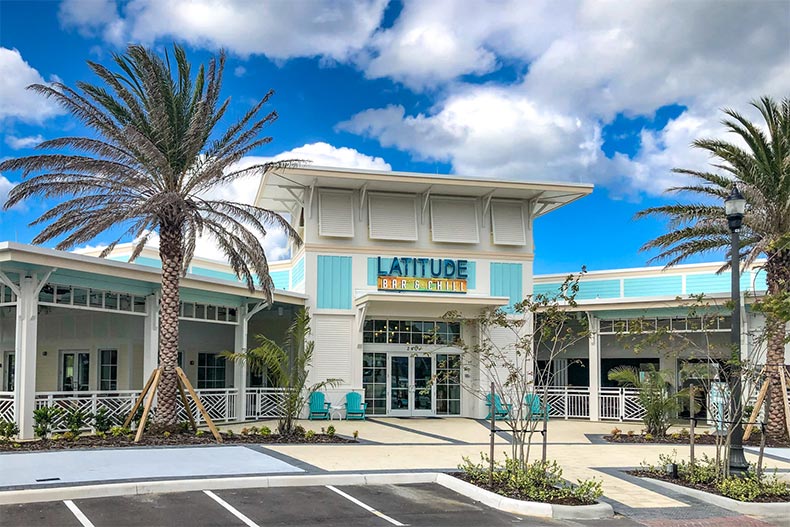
point(734, 208)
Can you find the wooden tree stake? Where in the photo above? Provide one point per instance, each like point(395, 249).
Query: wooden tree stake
point(783, 380)
point(148, 403)
point(756, 411)
point(186, 404)
point(140, 399)
point(199, 405)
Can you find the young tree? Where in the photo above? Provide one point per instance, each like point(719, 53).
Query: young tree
point(761, 171)
point(156, 153)
point(289, 366)
point(506, 349)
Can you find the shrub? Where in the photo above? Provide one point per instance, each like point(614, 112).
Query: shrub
point(356, 434)
point(538, 481)
point(648, 437)
point(117, 431)
point(630, 433)
point(200, 433)
point(750, 487)
point(76, 419)
point(44, 418)
point(309, 434)
point(299, 430)
point(265, 431)
point(229, 433)
point(330, 431)
point(68, 435)
point(166, 434)
point(616, 431)
point(102, 421)
point(8, 429)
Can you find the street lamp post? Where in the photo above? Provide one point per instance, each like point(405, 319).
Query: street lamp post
point(734, 207)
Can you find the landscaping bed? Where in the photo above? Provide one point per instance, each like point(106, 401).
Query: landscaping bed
point(683, 439)
point(120, 440)
point(504, 489)
point(709, 487)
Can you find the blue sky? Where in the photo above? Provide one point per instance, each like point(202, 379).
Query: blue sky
point(610, 93)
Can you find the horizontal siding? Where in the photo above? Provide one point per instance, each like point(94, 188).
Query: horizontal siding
point(590, 290)
point(671, 285)
point(281, 279)
point(211, 273)
point(297, 273)
point(334, 282)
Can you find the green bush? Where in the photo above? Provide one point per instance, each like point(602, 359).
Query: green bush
point(750, 487)
point(117, 431)
point(102, 420)
point(309, 434)
point(8, 429)
point(265, 431)
point(44, 418)
point(330, 431)
point(539, 481)
point(299, 430)
point(76, 419)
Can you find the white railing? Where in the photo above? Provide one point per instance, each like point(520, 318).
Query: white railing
point(220, 404)
point(6, 406)
point(621, 404)
point(118, 403)
point(264, 403)
point(566, 401)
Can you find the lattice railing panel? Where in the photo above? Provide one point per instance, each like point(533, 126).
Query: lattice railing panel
point(118, 404)
point(6, 406)
point(265, 403)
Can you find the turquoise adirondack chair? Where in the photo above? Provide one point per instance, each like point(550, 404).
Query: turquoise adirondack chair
point(319, 409)
point(535, 409)
point(355, 408)
point(501, 411)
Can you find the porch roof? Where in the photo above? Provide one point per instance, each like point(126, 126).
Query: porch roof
point(91, 271)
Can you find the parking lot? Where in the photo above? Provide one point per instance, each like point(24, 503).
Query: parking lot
point(369, 506)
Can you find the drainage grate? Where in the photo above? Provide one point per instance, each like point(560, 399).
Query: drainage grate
point(43, 480)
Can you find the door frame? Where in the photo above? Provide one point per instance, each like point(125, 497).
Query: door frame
point(410, 411)
point(76, 353)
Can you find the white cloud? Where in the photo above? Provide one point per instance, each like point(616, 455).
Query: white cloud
point(18, 143)
point(585, 63)
point(17, 102)
point(239, 71)
point(279, 30)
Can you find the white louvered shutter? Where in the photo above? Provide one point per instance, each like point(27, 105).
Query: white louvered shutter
point(392, 217)
point(332, 358)
point(454, 220)
point(507, 222)
point(335, 214)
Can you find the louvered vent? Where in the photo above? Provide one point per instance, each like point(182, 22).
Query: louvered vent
point(335, 214)
point(454, 220)
point(507, 221)
point(332, 358)
point(392, 217)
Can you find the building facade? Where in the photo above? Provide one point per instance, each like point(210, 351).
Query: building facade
point(385, 257)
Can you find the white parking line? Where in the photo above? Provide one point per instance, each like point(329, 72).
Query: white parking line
point(368, 508)
point(78, 513)
point(231, 509)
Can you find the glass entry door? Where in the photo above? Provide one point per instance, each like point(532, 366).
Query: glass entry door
point(411, 392)
point(75, 371)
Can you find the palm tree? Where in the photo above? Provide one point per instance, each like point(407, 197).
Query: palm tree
point(156, 155)
point(289, 366)
point(761, 170)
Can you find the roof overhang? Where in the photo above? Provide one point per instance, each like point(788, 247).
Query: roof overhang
point(17, 257)
point(291, 189)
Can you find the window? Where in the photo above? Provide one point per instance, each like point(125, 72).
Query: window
point(412, 332)
point(211, 371)
point(10, 373)
point(374, 381)
point(75, 371)
point(448, 384)
point(108, 369)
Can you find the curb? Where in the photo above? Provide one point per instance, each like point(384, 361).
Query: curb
point(526, 508)
point(778, 509)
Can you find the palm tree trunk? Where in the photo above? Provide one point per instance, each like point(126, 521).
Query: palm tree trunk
point(171, 254)
point(778, 278)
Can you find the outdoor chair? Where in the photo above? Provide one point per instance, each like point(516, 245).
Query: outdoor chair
point(355, 408)
point(535, 409)
point(501, 411)
point(319, 409)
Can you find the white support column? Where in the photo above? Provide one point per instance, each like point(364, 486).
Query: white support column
point(594, 347)
point(150, 336)
point(240, 368)
point(26, 345)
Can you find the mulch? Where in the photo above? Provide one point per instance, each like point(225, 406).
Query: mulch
point(683, 439)
point(705, 487)
point(182, 439)
point(509, 492)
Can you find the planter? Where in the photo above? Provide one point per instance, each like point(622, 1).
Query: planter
point(527, 508)
point(775, 509)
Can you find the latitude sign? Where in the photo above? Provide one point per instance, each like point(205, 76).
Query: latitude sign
point(428, 275)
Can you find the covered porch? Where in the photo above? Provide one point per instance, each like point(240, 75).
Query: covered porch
point(79, 332)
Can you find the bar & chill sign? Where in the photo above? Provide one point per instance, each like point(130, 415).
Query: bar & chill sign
point(428, 275)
